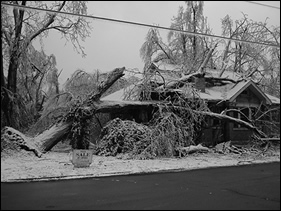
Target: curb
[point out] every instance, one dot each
(86, 176)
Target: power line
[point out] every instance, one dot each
(265, 5)
(138, 24)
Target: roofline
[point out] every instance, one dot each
(250, 82)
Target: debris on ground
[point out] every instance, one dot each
(251, 148)
(139, 141)
(183, 151)
(127, 139)
(120, 137)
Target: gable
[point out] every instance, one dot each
(248, 88)
(248, 96)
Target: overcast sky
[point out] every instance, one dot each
(114, 45)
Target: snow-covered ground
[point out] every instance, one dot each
(24, 166)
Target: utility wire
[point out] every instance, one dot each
(138, 24)
(265, 5)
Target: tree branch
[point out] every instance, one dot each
(111, 78)
(45, 27)
(60, 28)
(202, 66)
(231, 119)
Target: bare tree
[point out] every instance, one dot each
(189, 49)
(155, 47)
(250, 59)
(20, 27)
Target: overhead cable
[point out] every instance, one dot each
(265, 5)
(138, 24)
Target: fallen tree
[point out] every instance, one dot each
(73, 122)
(76, 120)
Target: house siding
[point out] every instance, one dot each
(95, 127)
(219, 98)
(221, 131)
(239, 136)
(247, 100)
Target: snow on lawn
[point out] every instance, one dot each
(24, 166)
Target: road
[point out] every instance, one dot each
(239, 187)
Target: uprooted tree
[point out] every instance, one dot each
(75, 122)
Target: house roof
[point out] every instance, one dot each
(226, 74)
(241, 86)
(115, 96)
(228, 92)
(120, 97)
(273, 99)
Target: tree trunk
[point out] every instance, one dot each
(49, 138)
(194, 37)
(10, 104)
(45, 141)
(223, 67)
(205, 62)
(3, 84)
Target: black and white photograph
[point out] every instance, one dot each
(140, 105)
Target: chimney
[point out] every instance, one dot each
(199, 83)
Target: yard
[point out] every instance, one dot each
(55, 165)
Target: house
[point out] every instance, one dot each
(231, 93)
(246, 97)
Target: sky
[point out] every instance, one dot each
(113, 45)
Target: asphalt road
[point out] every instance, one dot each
(226, 188)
